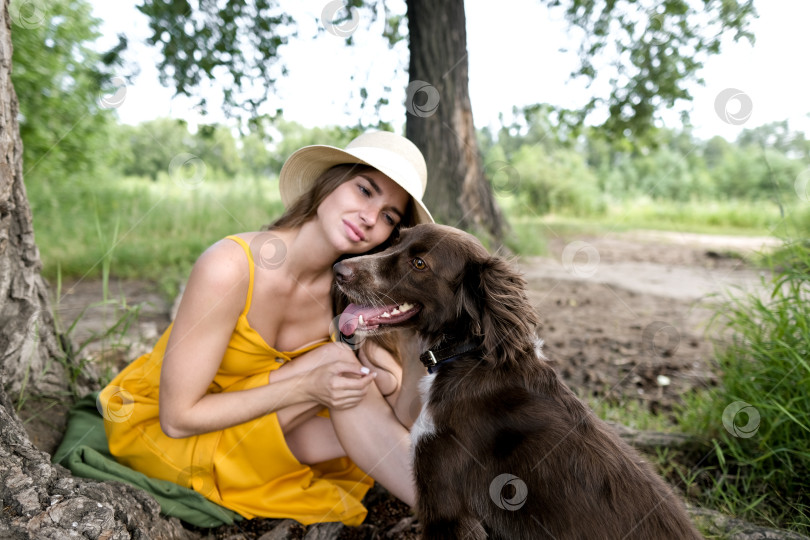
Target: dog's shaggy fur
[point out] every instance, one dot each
(502, 448)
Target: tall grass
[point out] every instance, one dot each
(718, 217)
(758, 418)
(529, 231)
(139, 228)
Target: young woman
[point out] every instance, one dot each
(245, 398)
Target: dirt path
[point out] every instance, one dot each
(625, 315)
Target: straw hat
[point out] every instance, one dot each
(393, 155)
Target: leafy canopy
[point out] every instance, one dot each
(653, 50)
(66, 89)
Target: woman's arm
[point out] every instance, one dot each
(214, 298)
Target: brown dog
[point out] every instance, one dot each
(502, 448)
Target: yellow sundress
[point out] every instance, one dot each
(247, 468)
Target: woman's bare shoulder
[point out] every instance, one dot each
(221, 271)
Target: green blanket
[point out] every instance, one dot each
(84, 451)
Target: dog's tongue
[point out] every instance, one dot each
(350, 318)
(370, 317)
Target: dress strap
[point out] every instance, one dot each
(249, 254)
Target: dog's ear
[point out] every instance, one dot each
(508, 320)
(469, 302)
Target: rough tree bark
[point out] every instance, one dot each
(40, 500)
(28, 342)
(440, 121)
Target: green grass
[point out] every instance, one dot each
(529, 232)
(758, 418)
(631, 413)
(155, 230)
(711, 217)
(138, 228)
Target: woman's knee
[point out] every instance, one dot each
(314, 441)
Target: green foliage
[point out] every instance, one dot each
(545, 170)
(776, 136)
(65, 89)
(532, 163)
(148, 148)
(290, 136)
(151, 148)
(759, 416)
(257, 160)
(216, 146)
(236, 42)
(556, 182)
(655, 53)
(750, 172)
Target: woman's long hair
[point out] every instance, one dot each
(306, 207)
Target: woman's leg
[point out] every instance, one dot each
(314, 441)
(369, 434)
(309, 437)
(373, 438)
(289, 418)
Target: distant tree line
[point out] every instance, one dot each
(552, 170)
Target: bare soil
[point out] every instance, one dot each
(624, 319)
(627, 316)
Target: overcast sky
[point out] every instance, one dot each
(514, 60)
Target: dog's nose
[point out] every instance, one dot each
(343, 272)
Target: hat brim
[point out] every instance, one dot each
(304, 166)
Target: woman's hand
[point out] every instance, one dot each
(331, 374)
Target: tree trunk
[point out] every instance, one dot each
(440, 122)
(28, 342)
(40, 500)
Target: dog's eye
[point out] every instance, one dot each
(418, 263)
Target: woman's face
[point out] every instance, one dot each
(362, 212)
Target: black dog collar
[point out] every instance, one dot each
(446, 353)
